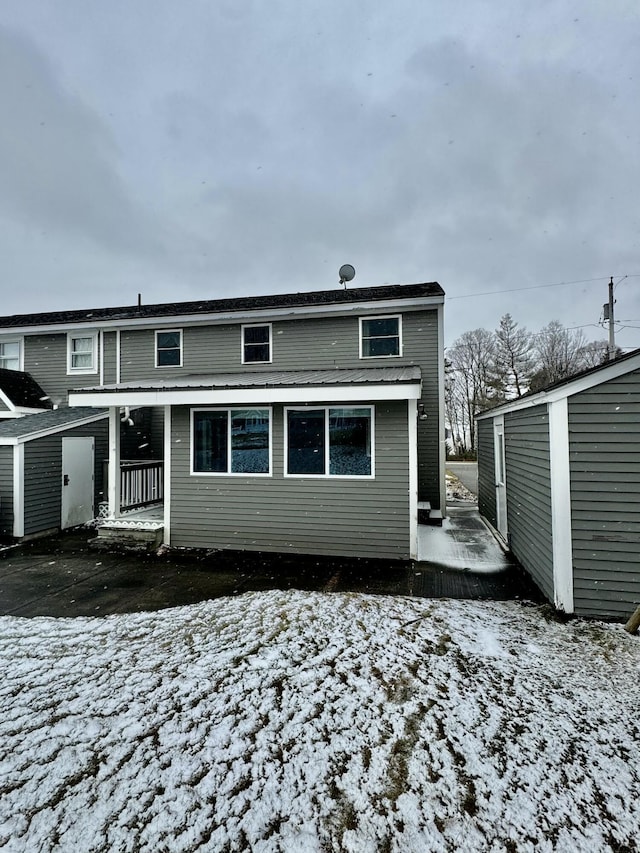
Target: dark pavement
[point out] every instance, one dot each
(60, 576)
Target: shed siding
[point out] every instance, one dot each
(43, 475)
(604, 445)
(317, 344)
(3, 406)
(359, 517)
(529, 493)
(6, 491)
(486, 471)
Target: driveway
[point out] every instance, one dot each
(61, 576)
(467, 473)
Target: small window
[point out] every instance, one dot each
(256, 344)
(330, 442)
(380, 337)
(169, 348)
(10, 355)
(231, 441)
(81, 353)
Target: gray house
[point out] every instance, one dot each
(304, 423)
(559, 479)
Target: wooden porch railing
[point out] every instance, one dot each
(141, 483)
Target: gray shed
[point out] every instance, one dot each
(559, 480)
(51, 470)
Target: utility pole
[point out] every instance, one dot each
(608, 315)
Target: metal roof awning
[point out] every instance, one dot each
(289, 386)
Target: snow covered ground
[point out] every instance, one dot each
(287, 721)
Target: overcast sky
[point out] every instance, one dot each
(216, 148)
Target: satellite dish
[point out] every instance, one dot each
(346, 273)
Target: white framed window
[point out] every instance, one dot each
(82, 352)
(329, 441)
(256, 343)
(231, 441)
(11, 355)
(381, 337)
(169, 348)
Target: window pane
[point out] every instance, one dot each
(380, 346)
(250, 441)
(306, 442)
(210, 441)
(169, 357)
(259, 352)
(256, 334)
(82, 345)
(168, 340)
(350, 442)
(81, 359)
(379, 327)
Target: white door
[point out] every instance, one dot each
(77, 481)
(501, 480)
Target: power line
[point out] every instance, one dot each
(538, 287)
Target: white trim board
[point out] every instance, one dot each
(247, 396)
(561, 529)
(571, 387)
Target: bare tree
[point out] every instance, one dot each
(514, 358)
(472, 385)
(559, 354)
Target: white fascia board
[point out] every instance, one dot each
(583, 383)
(6, 401)
(561, 529)
(247, 396)
(212, 319)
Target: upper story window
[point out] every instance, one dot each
(256, 344)
(330, 442)
(381, 337)
(82, 352)
(169, 348)
(11, 355)
(231, 441)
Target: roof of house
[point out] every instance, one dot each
(51, 421)
(581, 381)
(22, 390)
(240, 304)
(269, 379)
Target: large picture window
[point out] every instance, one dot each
(330, 442)
(380, 337)
(256, 344)
(82, 352)
(169, 348)
(231, 441)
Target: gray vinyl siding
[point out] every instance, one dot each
(43, 475)
(319, 343)
(486, 471)
(604, 448)
(3, 406)
(6, 491)
(528, 482)
(110, 367)
(357, 517)
(45, 358)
